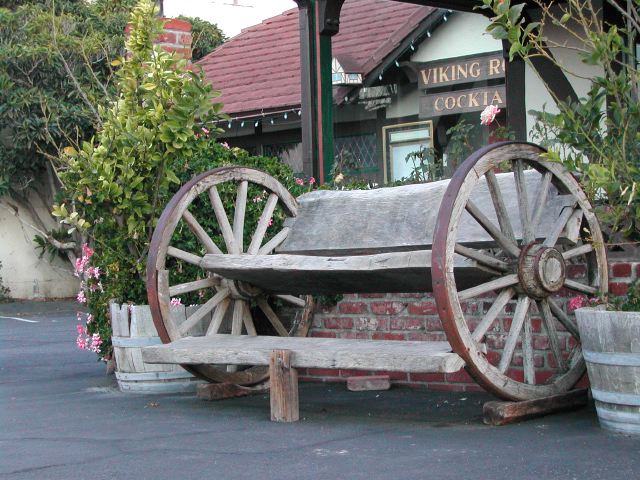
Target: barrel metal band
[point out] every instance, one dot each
(611, 358)
(632, 399)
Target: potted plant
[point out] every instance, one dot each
(597, 139)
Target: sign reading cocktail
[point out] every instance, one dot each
(458, 71)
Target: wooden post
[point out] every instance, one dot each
(284, 387)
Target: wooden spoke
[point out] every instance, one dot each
(184, 256)
(541, 201)
(272, 317)
(187, 287)
(527, 352)
(564, 217)
(218, 317)
(248, 322)
(199, 232)
(223, 221)
(482, 258)
(580, 287)
(523, 202)
(293, 300)
(275, 242)
(507, 244)
(519, 317)
(562, 317)
(238, 215)
(238, 316)
(203, 310)
(263, 224)
(575, 252)
(497, 306)
(499, 206)
(496, 284)
(552, 334)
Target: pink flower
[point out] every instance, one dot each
(89, 319)
(81, 329)
(312, 181)
(205, 130)
(175, 302)
(257, 199)
(577, 302)
(225, 145)
(81, 298)
(96, 341)
(87, 251)
(81, 264)
(488, 115)
(299, 181)
(270, 222)
(94, 272)
(81, 342)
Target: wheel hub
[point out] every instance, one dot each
(541, 270)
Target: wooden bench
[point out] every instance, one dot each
(505, 229)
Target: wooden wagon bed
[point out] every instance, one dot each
(507, 229)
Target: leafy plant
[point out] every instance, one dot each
(426, 165)
(598, 136)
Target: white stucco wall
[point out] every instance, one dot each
(26, 275)
(463, 34)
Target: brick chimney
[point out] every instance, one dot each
(176, 37)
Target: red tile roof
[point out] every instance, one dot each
(259, 69)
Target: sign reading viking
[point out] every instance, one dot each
(460, 101)
(458, 71)
(455, 71)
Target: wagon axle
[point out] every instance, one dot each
(541, 270)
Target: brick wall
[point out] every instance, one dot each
(176, 37)
(413, 317)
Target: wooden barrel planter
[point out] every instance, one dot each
(133, 329)
(611, 347)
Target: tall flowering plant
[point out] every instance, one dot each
(89, 337)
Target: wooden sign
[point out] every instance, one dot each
(459, 70)
(460, 101)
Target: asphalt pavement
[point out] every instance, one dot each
(62, 417)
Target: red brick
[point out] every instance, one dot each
(371, 295)
(353, 307)
(459, 377)
(495, 342)
(406, 323)
(493, 357)
(543, 376)
(367, 383)
(353, 373)
(338, 323)
(317, 334)
(516, 374)
(388, 336)
(175, 24)
(576, 271)
(166, 37)
(323, 372)
(186, 39)
(411, 295)
(540, 342)
(371, 323)
(387, 308)
(617, 288)
(426, 377)
(433, 324)
(395, 376)
(422, 308)
(184, 52)
(583, 382)
(638, 270)
(621, 270)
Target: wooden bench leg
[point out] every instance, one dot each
(284, 387)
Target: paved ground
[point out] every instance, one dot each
(61, 417)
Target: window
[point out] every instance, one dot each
(399, 142)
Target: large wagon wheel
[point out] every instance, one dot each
(234, 307)
(529, 276)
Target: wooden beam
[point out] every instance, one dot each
(501, 413)
(284, 387)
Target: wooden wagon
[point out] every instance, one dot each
(506, 228)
